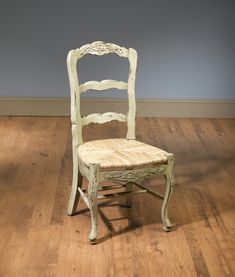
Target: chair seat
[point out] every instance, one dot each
(120, 153)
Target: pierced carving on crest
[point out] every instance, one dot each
(100, 48)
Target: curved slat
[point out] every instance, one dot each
(105, 84)
(102, 118)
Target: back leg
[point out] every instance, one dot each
(74, 195)
(77, 177)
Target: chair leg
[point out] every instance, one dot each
(74, 195)
(77, 177)
(169, 190)
(92, 196)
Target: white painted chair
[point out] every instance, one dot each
(126, 162)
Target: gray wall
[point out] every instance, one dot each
(186, 48)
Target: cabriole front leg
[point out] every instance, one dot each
(169, 190)
(94, 170)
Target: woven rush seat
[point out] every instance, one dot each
(120, 153)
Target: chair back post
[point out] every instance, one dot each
(76, 118)
(131, 94)
(100, 48)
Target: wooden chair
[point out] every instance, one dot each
(126, 162)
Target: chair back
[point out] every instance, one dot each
(100, 48)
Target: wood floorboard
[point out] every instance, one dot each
(37, 238)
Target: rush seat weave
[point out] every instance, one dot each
(120, 153)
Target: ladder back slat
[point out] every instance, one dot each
(103, 85)
(102, 118)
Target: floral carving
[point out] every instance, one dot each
(134, 175)
(100, 48)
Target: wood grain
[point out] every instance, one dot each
(37, 238)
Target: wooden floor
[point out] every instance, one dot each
(37, 238)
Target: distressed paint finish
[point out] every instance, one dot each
(101, 48)
(170, 183)
(103, 85)
(131, 94)
(136, 175)
(77, 176)
(102, 118)
(93, 172)
(128, 178)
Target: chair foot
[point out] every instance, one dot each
(167, 228)
(70, 213)
(92, 241)
(167, 225)
(94, 230)
(94, 227)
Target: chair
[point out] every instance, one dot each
(125, 161)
